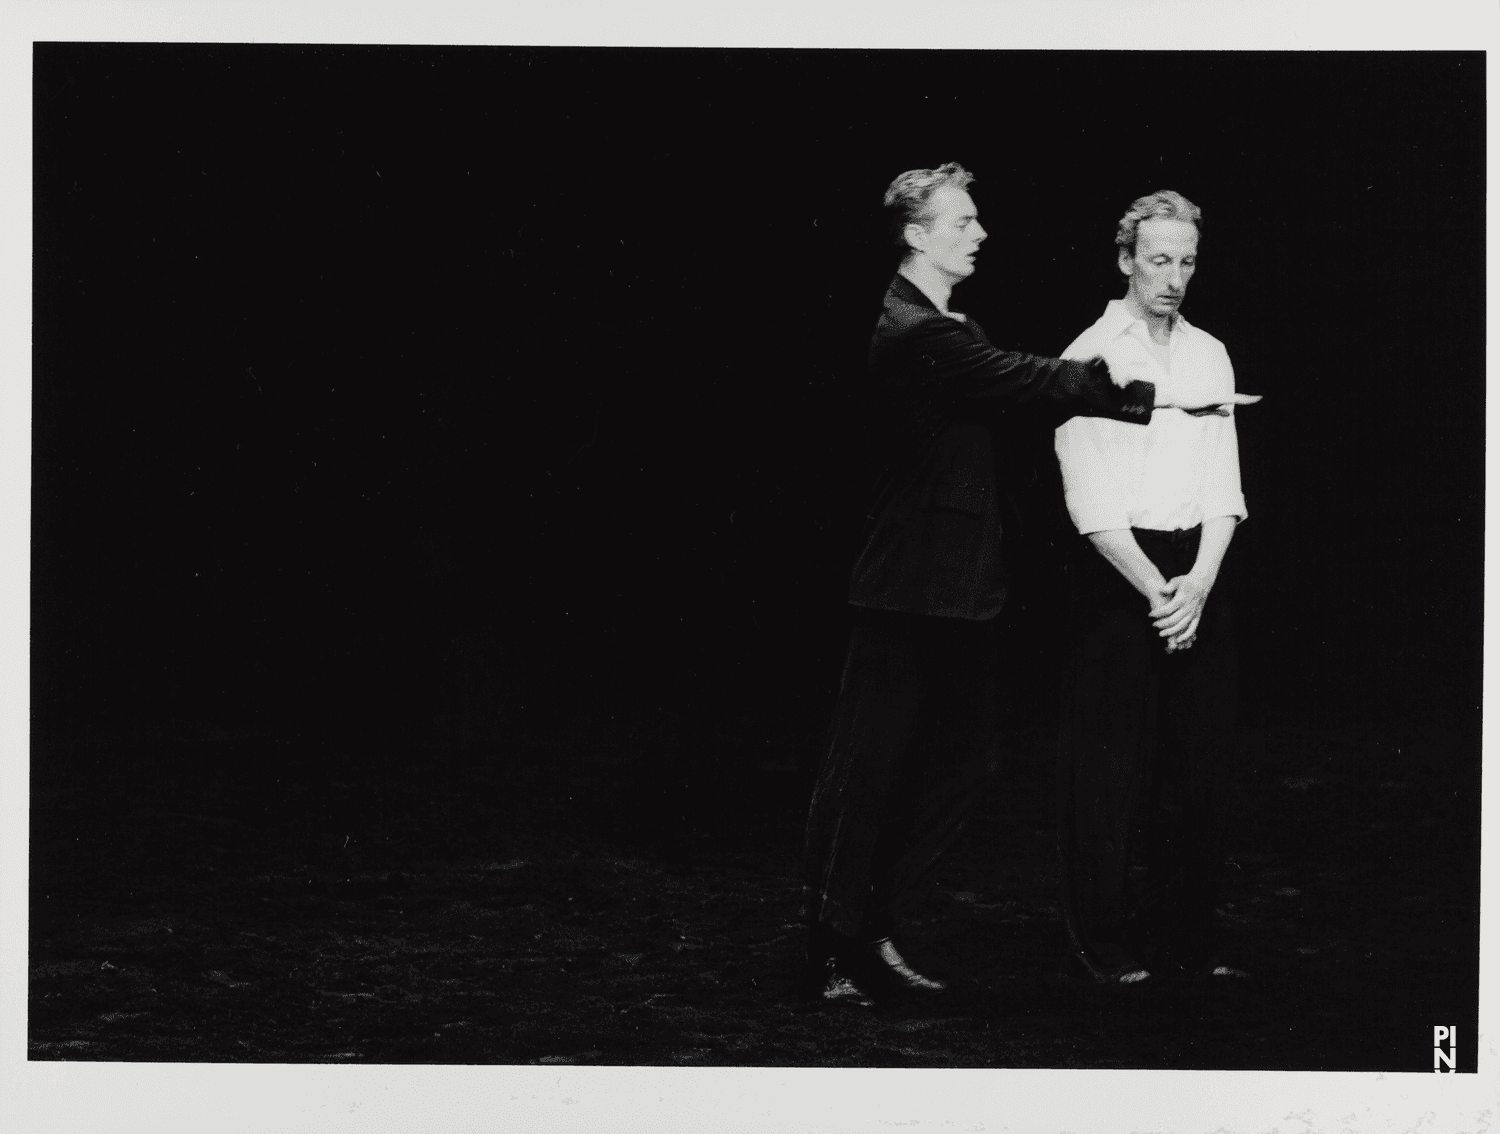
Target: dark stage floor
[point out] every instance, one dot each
(554, 906)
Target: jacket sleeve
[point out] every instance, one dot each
(945, 356)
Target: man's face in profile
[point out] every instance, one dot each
(952, 235)
(1166, 254)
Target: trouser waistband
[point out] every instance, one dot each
(1177, 537)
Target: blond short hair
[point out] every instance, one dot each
(906, 201)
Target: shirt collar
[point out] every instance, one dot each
(1118, 318)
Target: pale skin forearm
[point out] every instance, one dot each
(1212, 545)
(1126, 557)
(1176, 604)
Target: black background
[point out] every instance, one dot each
(393, 403)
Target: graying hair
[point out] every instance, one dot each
(1162, 203)
(906, 201)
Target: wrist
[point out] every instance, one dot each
(1151, 588)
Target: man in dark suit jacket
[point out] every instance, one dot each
(914, 732)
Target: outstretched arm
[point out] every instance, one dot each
(944, 354)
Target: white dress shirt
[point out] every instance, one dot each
(1172, 473)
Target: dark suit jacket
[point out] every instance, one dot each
(932, 537)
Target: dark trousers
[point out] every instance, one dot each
(1144, 738)
(912, 742)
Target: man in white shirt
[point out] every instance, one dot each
(1149, 695)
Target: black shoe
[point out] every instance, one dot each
(839, 989)
(882, 966)
(1127, 972)
(842, 970)
(1217, 971)
(826, 984)
(827, 953)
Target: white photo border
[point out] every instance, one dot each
(107, 1097)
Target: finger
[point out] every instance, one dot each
(1187, 635)
(1173, 628)
(1170, 611)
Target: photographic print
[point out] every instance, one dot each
(756, 558)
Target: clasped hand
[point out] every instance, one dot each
(1180, 609)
